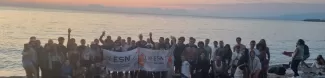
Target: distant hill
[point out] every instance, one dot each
(302, 16)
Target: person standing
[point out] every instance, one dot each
(180, 47)
(39, 50)
(252, 48)
(191, 54)
(241, 46)
(297, 57)
(215, 48)
(227, 57)
(108, 43)
(208, 48)
(57, 57)
(264, 57)
(306, 54)
(201, 49)
(29, 58)
(117, 48)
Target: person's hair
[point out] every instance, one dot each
(262, 45)
(207, 39)
(253, 41)
(238, 38)
(162, 38)
(167, 39)
(200, 43)
(128, 38)
(301, 42)
(181, 38)
(320, 60)
(140, 35)
(227, 46)
(60, 38)
(83, 40)
(221, 41)
(192, 38)
(33, 37)
(243, 59)
(215, 41)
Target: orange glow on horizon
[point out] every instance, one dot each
(123, 3)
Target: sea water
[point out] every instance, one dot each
(17, 25)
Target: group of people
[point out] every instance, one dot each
(190, 60)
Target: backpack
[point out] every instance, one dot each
(278, 70)
(306, 50)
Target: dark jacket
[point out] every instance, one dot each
(203, 65)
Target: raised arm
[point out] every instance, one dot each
(151, 41)
(69, 34)
(101, 37)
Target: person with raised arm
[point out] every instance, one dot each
(108, 44)
(71, 41)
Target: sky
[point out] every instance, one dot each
(219, 8)
(160, 3)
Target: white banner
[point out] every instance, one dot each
(121, 61)
(155, 60)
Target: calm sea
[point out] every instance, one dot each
(17, 25)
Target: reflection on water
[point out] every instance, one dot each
(17, 26)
